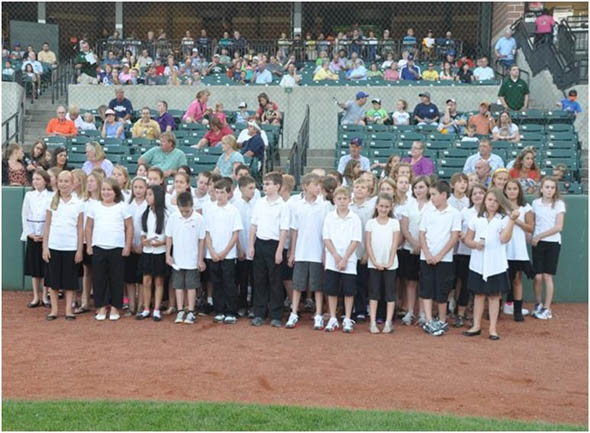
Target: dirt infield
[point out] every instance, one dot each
(537, 371)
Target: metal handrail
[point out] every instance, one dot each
(19, 126)
(60, 78)
(298, 153)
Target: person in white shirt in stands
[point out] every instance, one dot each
(307, 221)
(439, 231)
(262, 75)
(342, 234)
(109, 233)
(485, 153)
(483, 71)
(355, 153)
(223, 226)
(63, 243)
(268, 233)
(487, 236)
(290, 79)
(244, 202)
(248, 132)
(73, 114)
(185, 230)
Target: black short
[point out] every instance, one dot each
(436, 281)
(339, 284)
(546, 257)
(35, 266)
(382, 285)
(286, 271)
(132, 274)
(62, 270)
(153, 264)
(523, 266)
(409, 265)
(495, 285)
(461, 262)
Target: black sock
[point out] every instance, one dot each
(518, 306)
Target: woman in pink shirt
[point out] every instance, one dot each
(198, 109)
(391, 73)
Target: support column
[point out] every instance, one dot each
(41, 12)
(297, 7)
(485, 28)
(119, 18)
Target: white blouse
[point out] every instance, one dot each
(492, 259)
(516, 249)
(34, 211)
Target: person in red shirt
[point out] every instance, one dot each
(544, 28)
(525, 170)
(159, 67)
(213, 137)
(60, 126)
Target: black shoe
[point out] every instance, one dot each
(51, 317)
(70, 317)
(34, 304)
(257, 321)
(494, 337)
(471, 333)
(206, 310)
(518, 317)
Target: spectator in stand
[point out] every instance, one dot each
(229, 157)
(570, 104)
(351, 63)
(465, 59)
(112, 127)
(36, 65)
(337, 64)
(198, 112)
(421, 165)
(451, 57)
(166, 156)
(409, 41)
(121, 105)
(165, 119)
(95, 158)
(262, 75)
(86, 62)
(60, 126)
(111, 59)
(526, 171)
(452, 122)
(430, 74)
(483, 121)
(483, 71)
(290, 79)
(170, 66)
(215, 67)
(59, 158)
(225, 60)
(426, 113)
(514, 92)
(505, 129)
(213, 137)
(447, 72)
(239, 43)
(248, 132)
(354, 112)
(17, 52)
(324, 73)
(254, 146)
(483, 172)
(46, 55)
(447, 43)
(410, 71)
(125, 74)
(144, 59)
(146, 127)
(505, 49)
(160, 68)
(428, 46)
(37, 158)
(264, 109)
(87, 123)
(354, 153)
(391, 73)
(73, 114)
(275, 68)
(8, 69)
(377, 114)
(401, 115)
(484, 154)
(544, 28)
(149, 77)
(358, 72)
(14, 172)
(465, 75)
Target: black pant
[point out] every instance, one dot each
(361, 297)
(225, 292)
(244, 277)
(267, 280)
(108, 276)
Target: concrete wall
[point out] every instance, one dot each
(323, 111)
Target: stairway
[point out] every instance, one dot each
(319, 158)
(37, 115)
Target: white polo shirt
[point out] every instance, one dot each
(342, 231)
(34, 211)
(245, 208)
(467, 214)
(307, 219)
(200, 202)
(108, 231)
(185, 234)
(382, 240)
(516, 248)
(414, 213)
(458, 203)
(365, 213)
(439, 225)
(545, 218)
(137, 210)
(270, 218)
(63, 233)
(151, 234)
(293, 201)
(221, 223)
(492, 259)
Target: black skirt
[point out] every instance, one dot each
(523, 266)
(34, 264)
(153, 264)
(132, 273)
(496, 284)
(62, 270)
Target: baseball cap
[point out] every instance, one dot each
(376, 100)
(242, 105)
(410, 57)
(426, 94)
(215, 55)
(357, 140)
(451, 100)
(195, 50)
(254, 125)
(452, 52)
(109, 111)
(361, 95)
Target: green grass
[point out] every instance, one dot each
(141, 415)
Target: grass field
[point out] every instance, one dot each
(140, 415)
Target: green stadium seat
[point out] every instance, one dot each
(384, 153)
(187, 141)
(532, 127)
(426, 129)
(411, 136)
(131, 167)
(77, 148)
(378, 128)
(203, 158)
(522, 144)
(192, 126)
(56, 141)
(384, 135)
(571, 163)
(198, 167)
(139, 141)
(571, 187)
(89, 133)
(559, 127)
(381, 144)
(348, 135)
(445, 173)
(559, 153)
(130, 158)
(560, 144)
(502, 145)
(218, 150)
(453, 152)
(76, 158)
(111, 141)
(457, 163)
(559, 116)
(439, 145)
(404, 128)
(566, 136)
(177, 114)
(470, 145)
(532, 136)
(116, 150)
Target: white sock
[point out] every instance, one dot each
(210, 300)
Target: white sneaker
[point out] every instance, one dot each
(332, 325)
(114, 317)
(292, 322)
(508, 308)
(373, 328)
(452, 305)
(318, 322)
(219, 318)
(537, 309)
(348, 326)
(190, 318)
(408, 318)
(525, 312)
(388, 328)
(100, 317)
(421, 319)
(179, 317)
(230, 320)
(545, 314)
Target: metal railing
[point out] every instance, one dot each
(60, 78)
(18, 132)
(298, 153)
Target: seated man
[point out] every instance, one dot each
(324, 72)
(354, 113)
(426, 113)
(146, 127)
(483, 172)
(483, 71)
(430, 74)
(484, 154)
(60, 126)
(410, 71)
(261, 74)
(121, 105)
(165, 156)
(355, 153)
(358, 72)
(483, 121)
(452, 121)
(254, 146)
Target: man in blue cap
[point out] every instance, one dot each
(354, 112)
(411, 71)
(356, 145)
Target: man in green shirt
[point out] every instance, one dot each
(167, 156)
(377, 114)
(514, 92)
(86, 62)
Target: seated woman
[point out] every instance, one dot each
(268, 112)
(14, 172)
(526, 171)
(213, 137)
(111, 128)
(59, 158)
(391, 73)
(447, 72)
(95, 158)
(505, 129)
(198, 109)
(36, 159)
(465, 74)
(229, 157)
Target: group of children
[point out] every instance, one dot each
(402, 240)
